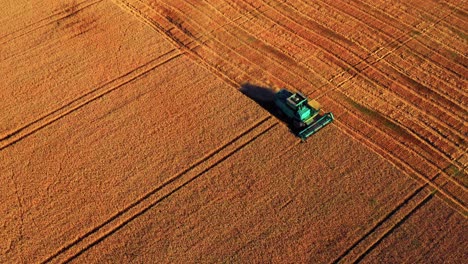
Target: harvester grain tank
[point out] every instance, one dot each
(302, 113)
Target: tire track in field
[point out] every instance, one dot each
(446, 97)
(239, 36)
(414, 10)
(69, 12)
(460, 65)
(386, 226)
(396, 79)
(47, 21)
(89, 245)
(438, 60)
(416, 6)
(452, 40)
(160, 193)
(85, 99)
(175, 35)
(399, 91)
(432, 147)
(181, 11)
(406, 147)
(421, 176)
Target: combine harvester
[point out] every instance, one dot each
(303, 114)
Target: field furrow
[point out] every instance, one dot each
(427, 233)
(329, 46)
(149, 131)
(372, 24)
(101, 128)
(382, 228)
(444, 33)
(160, 193)
(388, 37)
(433, 44)
(406, 159)
(61, 74)
(217, 224)
(430, 10)
(85, 99)
(246, 71)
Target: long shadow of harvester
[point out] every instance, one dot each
(265, 97)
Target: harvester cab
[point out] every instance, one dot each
(302, 113)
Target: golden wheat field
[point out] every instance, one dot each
(133, 131)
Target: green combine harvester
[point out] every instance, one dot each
(303, 114)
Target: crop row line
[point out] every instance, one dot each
(398, 92)
(410, 26)
(85, 99)
(158, 194)
(102, 238)
(414, 10)
(385, 225)
(272, 50)
(238, 54)
(47, 21)
(405, 145)
(45, 44)
(219, 43)
(406, 166)
(363, 23)
(447, 65)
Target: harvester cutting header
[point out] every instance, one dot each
(303, 114)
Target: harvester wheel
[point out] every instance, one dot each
(298, 124)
